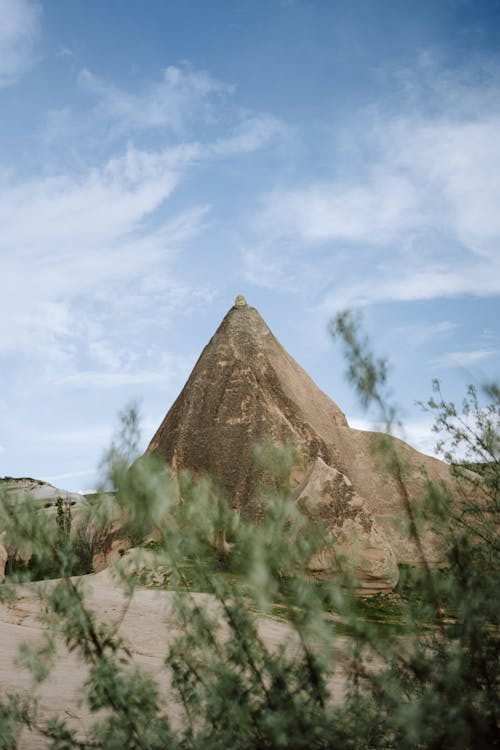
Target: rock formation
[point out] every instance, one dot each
(44, 497)
(245, 388)
(350, 532)
(43, 494)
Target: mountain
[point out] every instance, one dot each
(246, 388)
(41, 493)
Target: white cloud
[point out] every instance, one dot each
(455, 165)
(100, 435)
(422, 334)
(375, 212)
(406, 281)
(186, 105)
(98, 237)
(183, 95)
(97, 207)
(279, 267)
(417, 432)
(253, 132)
(464, 359)
(69, 475)
(19, 29)
(66, 237)
(109, 379)
(411, 211)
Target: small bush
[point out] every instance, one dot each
(436, 686)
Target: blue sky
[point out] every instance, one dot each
(159, 157)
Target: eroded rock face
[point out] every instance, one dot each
(351, 534)
(44, 497)
(244, 388)
(110, 550)
(42, 493)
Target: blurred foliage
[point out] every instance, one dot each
(420, 667)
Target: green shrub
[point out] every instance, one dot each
(435, 686)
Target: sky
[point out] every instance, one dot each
(159, 157)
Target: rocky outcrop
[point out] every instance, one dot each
(112, 548)
(44, 497)
(351, 536)
(43, 494)
(246, 388)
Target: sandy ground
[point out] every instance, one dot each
(143, 625)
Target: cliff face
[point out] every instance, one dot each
(244, 388)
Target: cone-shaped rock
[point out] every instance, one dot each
(244, 388)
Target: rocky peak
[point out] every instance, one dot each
(244, 388)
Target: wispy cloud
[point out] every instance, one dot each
(374, 212)
(186, 106)
(182, 95)
(19, 29)
(85, 235)
(109, 379)
(425, 333)
(69, 475)
(464, 359)
(56, 478)
(251, 133)
(416, 432)
(406, 281)
(100, 435)
(411, 211)
(99, 239)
